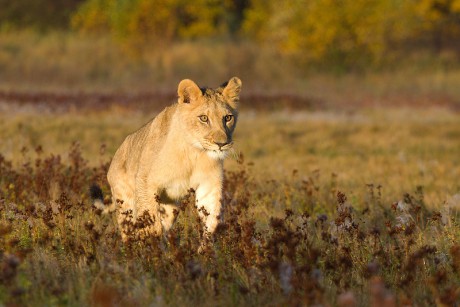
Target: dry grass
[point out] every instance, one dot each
(70, 63)
(332, 205)
(328, 208)
(320, 235)
(398, 149)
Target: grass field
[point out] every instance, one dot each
(63, 62)
(347, 207)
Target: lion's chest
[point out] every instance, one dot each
(177, 189)
(185, 173)
(177, 184)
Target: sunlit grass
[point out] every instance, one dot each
(69, 62)
(325, 207)
(397, 149)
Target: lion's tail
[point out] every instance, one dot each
(97, 197)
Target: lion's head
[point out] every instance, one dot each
(209, 116)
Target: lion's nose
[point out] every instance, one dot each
(221, 144)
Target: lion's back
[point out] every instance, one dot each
(142, 145)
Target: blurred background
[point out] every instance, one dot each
(321, 53)
(343, 189)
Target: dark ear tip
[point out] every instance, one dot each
(233, 81)
(236, 80)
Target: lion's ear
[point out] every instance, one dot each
(188, 91)
(232, 91)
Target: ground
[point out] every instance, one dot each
(331, 206)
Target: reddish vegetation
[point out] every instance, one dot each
(56, 247)
(61, 102)
(153, 101)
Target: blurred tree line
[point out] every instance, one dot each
(38, 14)
(160, 22)
(323, 31)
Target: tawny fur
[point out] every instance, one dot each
(182, 148)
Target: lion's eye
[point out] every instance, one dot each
(228, 118)
(203, 118)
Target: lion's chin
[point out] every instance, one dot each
(217, 154)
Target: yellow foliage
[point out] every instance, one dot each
(317, 29)
(147, 21)
(344, 31)
(203, 15)
(440, 18)
(436, 10)
(92, 16)
(158, 22)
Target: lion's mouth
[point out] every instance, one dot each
(218, 152)
(226, 147)
(216, 148)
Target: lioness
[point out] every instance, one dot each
(180, 149)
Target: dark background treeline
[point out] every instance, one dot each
(341, 33)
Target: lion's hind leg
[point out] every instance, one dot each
(148, 222)
(123, 201)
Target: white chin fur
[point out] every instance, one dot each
(218, 155)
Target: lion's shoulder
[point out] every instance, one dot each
(157, 129)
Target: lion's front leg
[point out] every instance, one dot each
(209, 205)
(168, 215)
